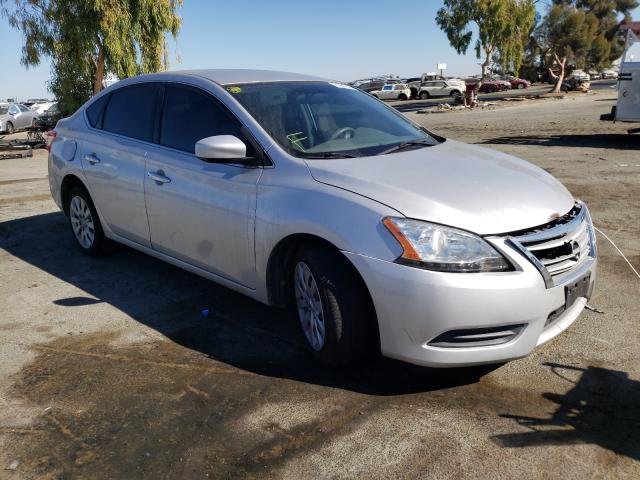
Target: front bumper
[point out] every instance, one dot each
(415, 306)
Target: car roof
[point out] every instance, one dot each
(235, 76)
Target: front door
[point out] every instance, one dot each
(113, 158)
(199, 212)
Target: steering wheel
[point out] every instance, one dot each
(343, 132)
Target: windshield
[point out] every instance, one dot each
(322, 119)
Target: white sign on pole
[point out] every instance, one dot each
(442, 66)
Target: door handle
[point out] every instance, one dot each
(159, 177)
(92, 159)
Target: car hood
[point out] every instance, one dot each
(452, 183)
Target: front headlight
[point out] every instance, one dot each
(444, 249)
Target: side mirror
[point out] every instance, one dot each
(222, 149)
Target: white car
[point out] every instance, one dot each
(398, 91)
(41, 107)
(610, 74)
(581, 75)
(442, 88)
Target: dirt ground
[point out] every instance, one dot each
(108, 369)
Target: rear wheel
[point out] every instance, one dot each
(456, 93)
(85, 223)
(332, 305)
(492, 89)
(424, 95)
(10, 128)
(402, 96)
(520, 86)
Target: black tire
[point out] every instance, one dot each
(10, 128)
(520, 86)
(346, 305)
(100, 245)
(456, 93)
(402, 96)
(424, 95)
(492, 89)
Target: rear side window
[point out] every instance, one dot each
(189, 116)
(95, 111)
(3, 110)
(131, 112)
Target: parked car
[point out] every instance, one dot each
(17, 117)
(371, 86)
(487, 86)
(398, 91)
(441, 88)
(503, 83)
(610, 74)
(49, 118)
(580, 75)
(518, 83)
(305, 193)
(594, 75)
(415, 84)
(41, 107)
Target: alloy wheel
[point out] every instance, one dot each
(309, 306)
(82, 222)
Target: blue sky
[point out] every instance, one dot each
(344, 40)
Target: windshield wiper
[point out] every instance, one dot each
(404, 145)
(331, 155)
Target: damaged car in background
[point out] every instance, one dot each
(311, 195)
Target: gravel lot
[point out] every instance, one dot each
(108, 369)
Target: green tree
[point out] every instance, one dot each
(503, 26)
(610, 14)
(85, 39)
(571, 36)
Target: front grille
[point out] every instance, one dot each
(560, 246)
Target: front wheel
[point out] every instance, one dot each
(10, 128)
(520, 86)
(424, 95)
(85, 223)
(456, 93)
(402, 96)
(332, 305)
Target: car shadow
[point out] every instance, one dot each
(617, 141)
(202, 316)
(602, 408)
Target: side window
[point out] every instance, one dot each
(131, 112)
(95, 111)
(13, 109)
(23, 108)
(189, 116)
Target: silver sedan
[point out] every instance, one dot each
(308, 194)
(15, 116)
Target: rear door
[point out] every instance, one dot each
(114, 155)
(199, 212)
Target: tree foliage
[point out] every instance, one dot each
(609, 15)
(85, 39)
(503, 26)
(582, 33)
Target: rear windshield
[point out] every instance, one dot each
(312, 119)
